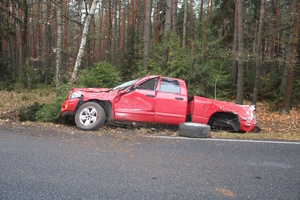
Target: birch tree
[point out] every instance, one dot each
(85, 33)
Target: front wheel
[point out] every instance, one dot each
(90, 116)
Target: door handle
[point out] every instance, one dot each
(179, 98)
(150, 95)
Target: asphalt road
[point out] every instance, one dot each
(55, 163)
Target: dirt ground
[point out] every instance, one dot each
(274, 125)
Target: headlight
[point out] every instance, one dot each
(75, 95)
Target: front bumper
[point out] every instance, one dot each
(69, 107)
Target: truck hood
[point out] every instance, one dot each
(92, 89)
(96, 93)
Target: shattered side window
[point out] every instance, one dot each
(169, 85)
(148, 85)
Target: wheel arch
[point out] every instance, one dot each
(106, 105)
(225, 120)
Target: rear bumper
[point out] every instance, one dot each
(248, 125)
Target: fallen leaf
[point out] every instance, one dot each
(226, 193)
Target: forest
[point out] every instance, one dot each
(238, 50)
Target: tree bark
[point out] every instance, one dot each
(101, 19)
(191, 25)
(25, 64)
(235, 39)
(259, 59)
(147, 31)
(65, 36)
(59, 43)
(240, 73)
(47, 53)
(115, 27)
(167, 29)
(184, 23)
(200, 18)
(83, 40)
(174, 17)
(109, 31)
(294, 40)
(119, 46)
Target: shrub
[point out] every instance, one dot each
(28, 113)
(51, 112)
(102, 75)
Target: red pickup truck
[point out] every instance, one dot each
(153, 99)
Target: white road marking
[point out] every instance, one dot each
(226, 140)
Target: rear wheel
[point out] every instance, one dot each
(90, 116)
(194, 130)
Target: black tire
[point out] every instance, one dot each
(194, 130)
(90, 116)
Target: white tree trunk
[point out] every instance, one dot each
(83, 40)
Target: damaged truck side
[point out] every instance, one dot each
(153, 99)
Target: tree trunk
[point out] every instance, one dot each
(258, 60)
(66, 50)
(277, 7)
(79, 22)
(174, 17)
(240, 74)
(47, 48)
(207, 27)
(25, 64)
(12, 43)
(101, 19)
(200, 18)
(119, 46)
(19, 44)
(294, 40)
(191, 25)
(83, 40)
(109, 31)
(167, 28)
(235, 40)
(115, 27)
(59, 43)
(147, 31)
(184, 23)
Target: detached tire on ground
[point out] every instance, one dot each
(194, 130)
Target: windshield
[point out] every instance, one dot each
(125, 85)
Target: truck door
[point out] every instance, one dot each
(139, 104)
(171, 102)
